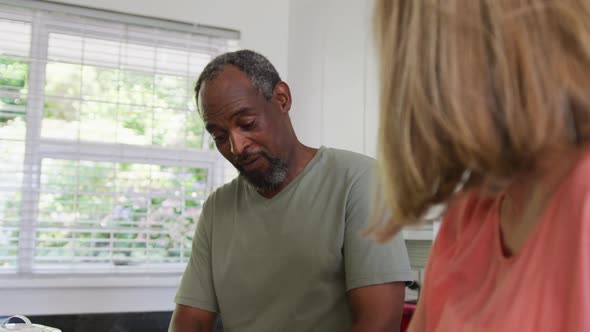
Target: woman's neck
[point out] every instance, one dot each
(528, 195)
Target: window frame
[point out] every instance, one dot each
(38, 148)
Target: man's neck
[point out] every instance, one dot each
(300, 156)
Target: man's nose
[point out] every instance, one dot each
(238, 144)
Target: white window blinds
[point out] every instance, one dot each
(105, 164)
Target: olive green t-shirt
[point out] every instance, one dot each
(285, 264)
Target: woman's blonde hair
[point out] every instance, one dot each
(479, 87)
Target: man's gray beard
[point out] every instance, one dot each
(269, 180)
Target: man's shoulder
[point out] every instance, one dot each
(349, 162)
(222, 194)
(349, 159)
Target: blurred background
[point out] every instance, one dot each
(104, 164)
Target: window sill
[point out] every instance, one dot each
(94, 281)
(59, 294)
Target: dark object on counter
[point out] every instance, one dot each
(409, 309)
(110, 322)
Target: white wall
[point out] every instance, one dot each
(334, 81)
(264, 27)
(332, 73)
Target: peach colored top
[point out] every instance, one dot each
(471, 286)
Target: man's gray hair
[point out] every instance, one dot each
(261, 72)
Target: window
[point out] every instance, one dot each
(105, 164)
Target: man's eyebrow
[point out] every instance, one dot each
(210, 127)
(239, 112)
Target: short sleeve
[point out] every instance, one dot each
(196, 287)
(368, 262)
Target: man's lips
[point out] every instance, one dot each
(249, 162)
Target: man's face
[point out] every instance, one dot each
(248, 129)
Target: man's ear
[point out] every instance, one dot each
(282, 96)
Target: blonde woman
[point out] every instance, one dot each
(485, 108)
